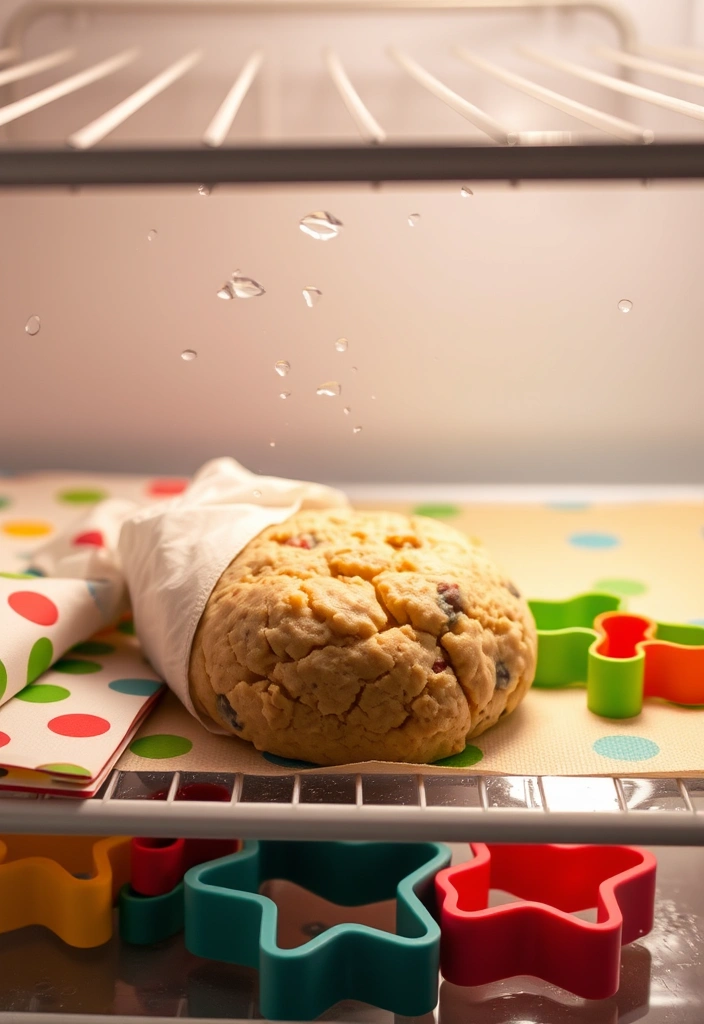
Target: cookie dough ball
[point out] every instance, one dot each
(343, 636)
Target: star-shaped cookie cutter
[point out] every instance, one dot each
(66, 883)
(227, 919)
(539, 935)
(621, 657)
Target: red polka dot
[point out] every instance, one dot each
(92, 538)
(166, 488)
(35, 607)
(79, 725)
(4, 739)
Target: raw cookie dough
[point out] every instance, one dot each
(343, 636)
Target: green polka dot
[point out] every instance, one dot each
(163, 745)
(77, 667)
(93, 647)
(469, 756)
(43, 693)
(17, 575)
(437, 511)
(625, 587)
(3, 679)
(65, 769)
(40, 658)
(81, 496)
(126, 627)
(4, 502)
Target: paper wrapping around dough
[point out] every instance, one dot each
(170, 554)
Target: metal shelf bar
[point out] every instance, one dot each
(590, 115)
(638, 92)
(685, 54)
(8, 54)
(102, 126)
(34, 67)
(656, 67)
(54, 92)
(367, 125)
(477, 117)
(603, 815)
(218, 129)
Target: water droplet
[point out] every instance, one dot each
(347, 410)
(226, 292)
(240, 287)
(341, 344)
(257, 494)
(320, 225)
(330, 389)
(282, 367)
(625, 305)
(413, 220)
(272, 444)
(33, 325)
(373, 398)
(354, 369)
(204, 190)
(311, 296)
(151, 235)
(312, 928)
(285, 394)
(466, 192)
(188, 355)
(356, 430)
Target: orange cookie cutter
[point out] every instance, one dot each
(621, 657)
(66, 883)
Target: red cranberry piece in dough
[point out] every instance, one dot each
(439, 666)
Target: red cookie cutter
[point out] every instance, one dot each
(540, 936)
(158, 865)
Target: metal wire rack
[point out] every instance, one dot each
(449, 807)
(546, 131)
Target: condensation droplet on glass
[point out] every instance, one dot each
(312, 928)
(240, 287)
(341, 344)
(204, 190)
(151, 235)
(354, 369)
(257, 494)
(320, 225)
(311, 296)
(188, 355)
(356, 430)
(282, 367)
(330, 389)
(284, 394)
(466, 192)
(625, 305)
(347, 410)
(272, 444)
(33, 325)
(413, 220)
(373, 398)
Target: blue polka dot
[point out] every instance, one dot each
(626, 748)
(594, 540)
(569, 506)
(288, 762)
(34, 572)
(135, 687)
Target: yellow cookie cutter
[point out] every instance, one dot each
(66, 883)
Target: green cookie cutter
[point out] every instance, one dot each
(227, 919)
(145, 920)
(621, 657)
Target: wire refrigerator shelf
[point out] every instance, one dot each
(113, 107)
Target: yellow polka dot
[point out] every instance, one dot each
(26, 528)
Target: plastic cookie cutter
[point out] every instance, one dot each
(227, 919)
(151, 906)
(158, 865)
(539, 935)
(66, 883)
(621, 657)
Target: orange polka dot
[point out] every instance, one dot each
(26, 528)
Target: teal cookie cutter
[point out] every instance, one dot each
(622, 658)
(145, 920)
(227, 919)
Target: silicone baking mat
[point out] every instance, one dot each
(652, 555)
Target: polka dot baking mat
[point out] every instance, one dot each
(650, 555)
